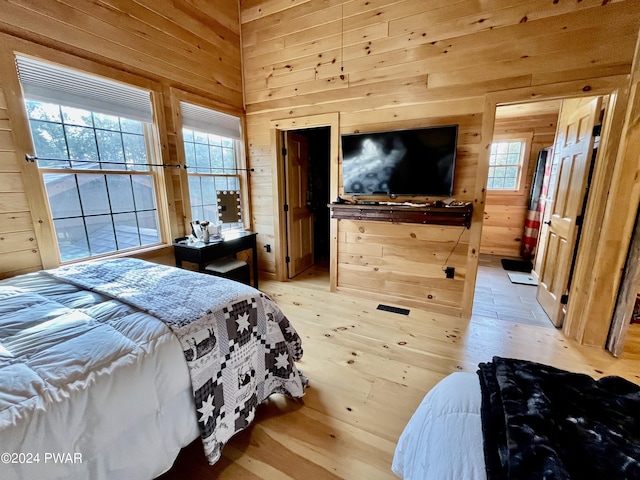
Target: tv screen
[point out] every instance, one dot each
(419, 161)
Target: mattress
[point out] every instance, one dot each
(443, 440)
(90, 387)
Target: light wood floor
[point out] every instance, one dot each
(368, 371)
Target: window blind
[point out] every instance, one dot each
(48, 82)
(210, 121)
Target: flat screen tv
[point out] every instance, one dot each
(417, 162)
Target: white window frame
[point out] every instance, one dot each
(526, 138)
(36, 88)
(214, 121)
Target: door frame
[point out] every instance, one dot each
(277, 127)
(605, 184)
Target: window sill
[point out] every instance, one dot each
(501, 193)
(145, 253)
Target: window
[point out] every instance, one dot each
(95, 164)
(506, 163)
(212, 156)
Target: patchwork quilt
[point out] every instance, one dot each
(541, 422)
(239, 346)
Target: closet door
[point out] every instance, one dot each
(299, 217)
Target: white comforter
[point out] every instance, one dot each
(239, 346)
(443, 439)
(98, 370)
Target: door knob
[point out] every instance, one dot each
(548, 222)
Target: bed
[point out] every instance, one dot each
(109, 368)
(517, 419)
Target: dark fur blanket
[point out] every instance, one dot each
(540, 422)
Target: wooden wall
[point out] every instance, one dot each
(378, 64)
(190, 44)
(404, 263)
(187, 46)
(18, 246)
(504, 213)
(399, 64)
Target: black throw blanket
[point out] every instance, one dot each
(540, 422)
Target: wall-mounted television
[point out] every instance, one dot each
(418, 162)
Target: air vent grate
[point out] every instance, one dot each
(389, 308)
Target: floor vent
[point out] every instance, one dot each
(389, 308)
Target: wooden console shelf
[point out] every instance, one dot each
(455, 215)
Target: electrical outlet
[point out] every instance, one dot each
(449, 272)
